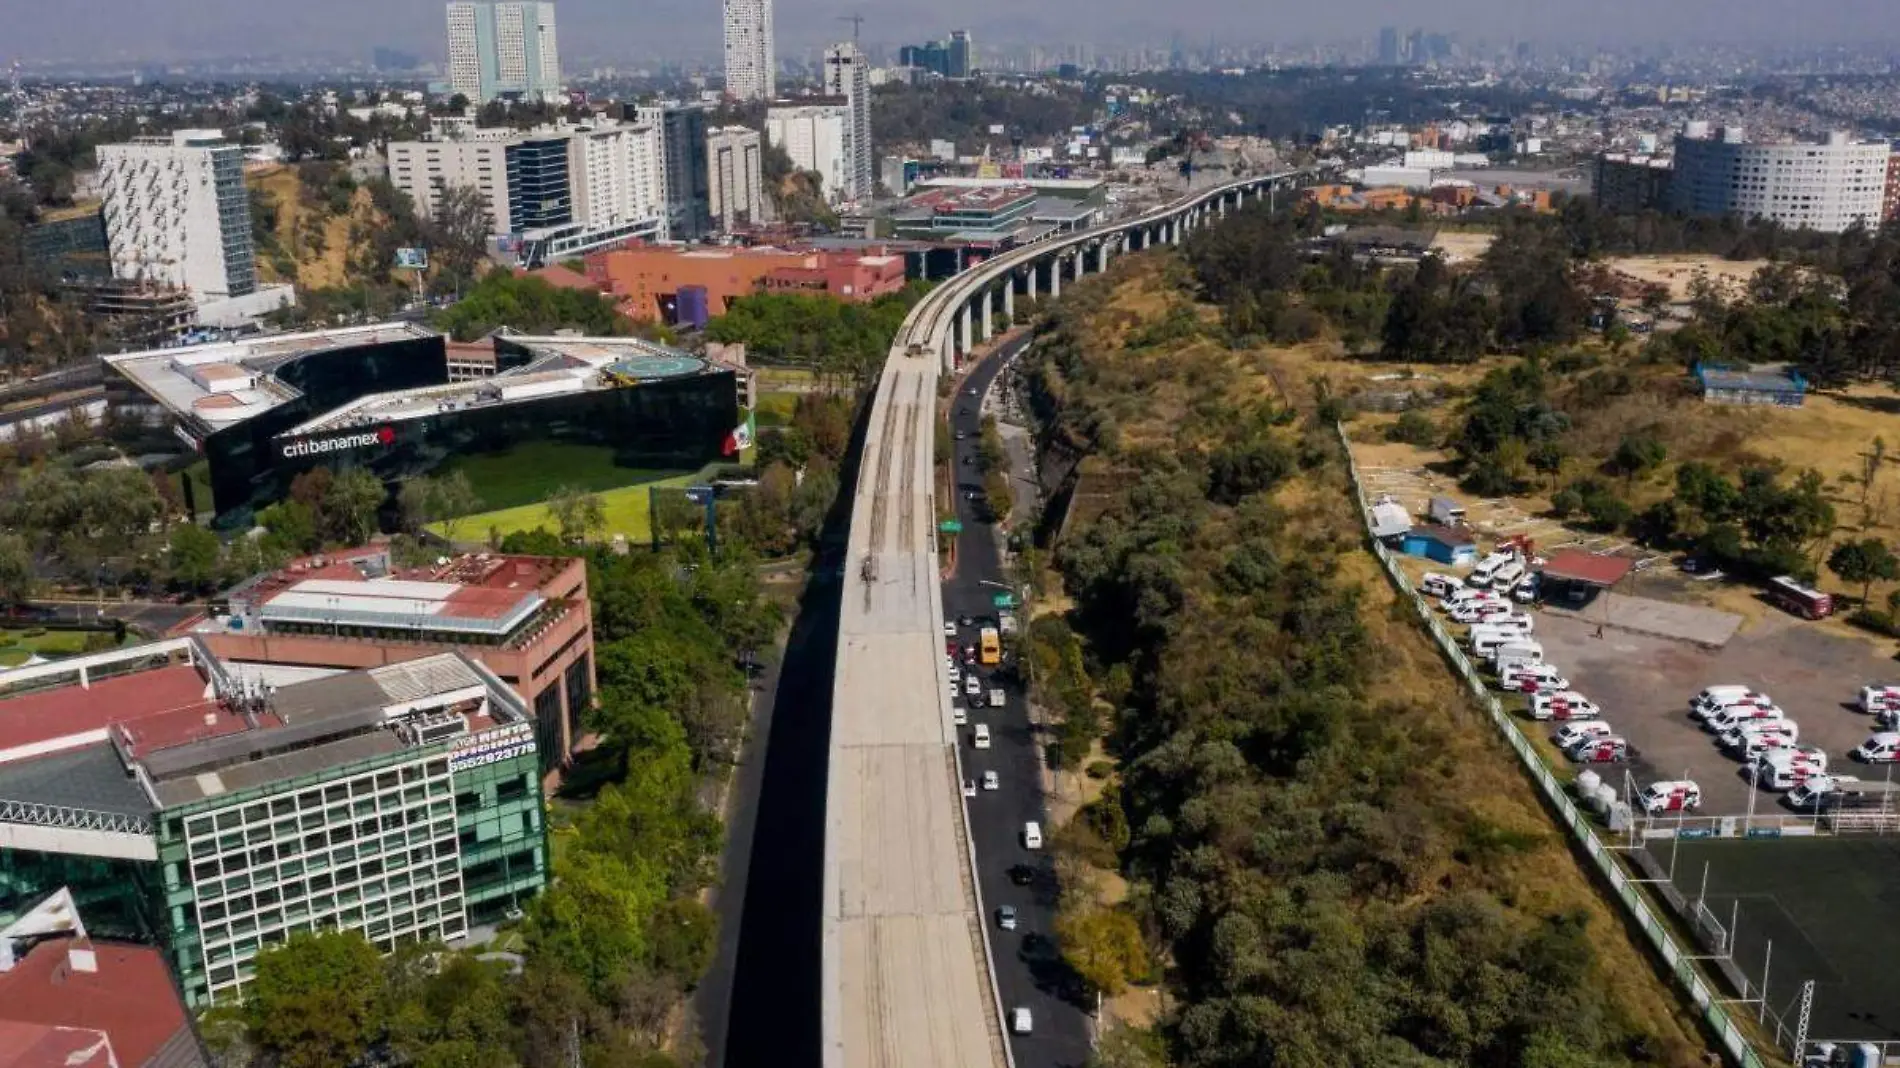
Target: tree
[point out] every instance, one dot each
(1547, 458)
(192, 557)
(593, 919)
(290, 528)
(449, 1010)
(348, 516)
(318, 1000)
(1103, 945)
(424, 500)
(578, 513)
(1637, 453)
(458, 234)
(1864, 561)
(17, 575)
(1870, 462)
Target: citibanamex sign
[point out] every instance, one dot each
(320, 446)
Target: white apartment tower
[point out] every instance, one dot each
(503, 49)
(618, 178)
(1828, 186)
(749, 55)
(734, 157)
(177, 213)
(817, 138)
(847, 74)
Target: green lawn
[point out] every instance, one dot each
(626, 509)
(528, 474)
(16, 647)
(775, 409)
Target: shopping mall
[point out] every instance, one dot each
(262, 411)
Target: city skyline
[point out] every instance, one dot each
(104, 31)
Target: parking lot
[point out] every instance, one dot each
(1644, 684)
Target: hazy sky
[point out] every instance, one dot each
(120, 29)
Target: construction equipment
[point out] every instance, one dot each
(857, 23)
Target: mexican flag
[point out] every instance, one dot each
(742, 435)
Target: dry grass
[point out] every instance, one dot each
(320, 270)
(1457, 246)
(1676, 272)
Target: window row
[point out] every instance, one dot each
(256, 812)
(222, 941)
(316, 841)
(339, 861)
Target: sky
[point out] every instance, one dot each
(117, 30)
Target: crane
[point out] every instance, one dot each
(857, 23)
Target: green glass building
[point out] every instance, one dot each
(201, 806)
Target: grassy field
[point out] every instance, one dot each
(528, 474)
(1822, 902)
(775, 409)
(16, 647)
(626, 509)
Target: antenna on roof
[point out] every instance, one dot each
(857, 23)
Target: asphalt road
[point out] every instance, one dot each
(1028, 972)
(152, 617)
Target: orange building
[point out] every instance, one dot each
(647, 281)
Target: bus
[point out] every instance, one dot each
(1798, 599)
(991, 650)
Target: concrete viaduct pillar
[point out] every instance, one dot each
(1009, 297)
(1055, 277)
(985, 312)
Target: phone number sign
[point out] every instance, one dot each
(491, 747)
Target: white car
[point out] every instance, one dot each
(956, 674)
(972, 686)
(969, 787)
(1525, 592)
(1020, 1020)
(960, 717)
(1563, 705)
(949, 628)
(990, 781)
(1479, 611)
(1882, 748)
(1579, 730)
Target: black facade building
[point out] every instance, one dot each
(379, 398)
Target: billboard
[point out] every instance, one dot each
(491, 746)
(415, 259)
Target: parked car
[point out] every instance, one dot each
(1610, 750)
(1735, 715)
(1006, 917)
(959, 716)
(1532, 679)
(1785, 769)
(1525, 592)
(1716, 698)
(969, 787)
(1563, 705)
(949, 629)
(1878, 699)
(1882, 748)
(1434, 584)
(1758, 735)
(1678, 795)
(1571, 733)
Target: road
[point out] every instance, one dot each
(1027, 970)
(152, 617)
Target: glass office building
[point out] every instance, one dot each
(403, 802)
(263, 412)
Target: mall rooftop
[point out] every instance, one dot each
(227, 382)
(556, 365)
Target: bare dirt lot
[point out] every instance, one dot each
(1644, 685)
(1675, 272)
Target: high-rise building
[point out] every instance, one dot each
(1828, 186)
(1890, 204)
(962, 54)
(176, 212)
(734, 157)
(816, 136)
(216, 807)
(563, 189)
(1388, 46)
(750, 73)
(848, 74)
(503, 50)
(682, 130)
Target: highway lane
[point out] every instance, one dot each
(1028, 971)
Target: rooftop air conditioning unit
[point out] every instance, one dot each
(435, 730)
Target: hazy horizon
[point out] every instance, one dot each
(123, 30)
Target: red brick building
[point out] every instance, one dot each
(647, 281)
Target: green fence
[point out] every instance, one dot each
(1680, 962)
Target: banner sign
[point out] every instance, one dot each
(416, 259)
(491, 746)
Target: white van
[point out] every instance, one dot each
(982, 738)
(1032, 835)
(1487, 570)
(1466, 595)
(1711, 709)
(1523, 650)
(1735, 715)
(1713, 696)
(1485, 640)
(1877, 699)
(1508, 576)
(1577, 730)
(1785, 769)
(1882, 748)
(1434, 584)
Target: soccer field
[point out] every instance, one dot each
(626, 509)
(1825, 904)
